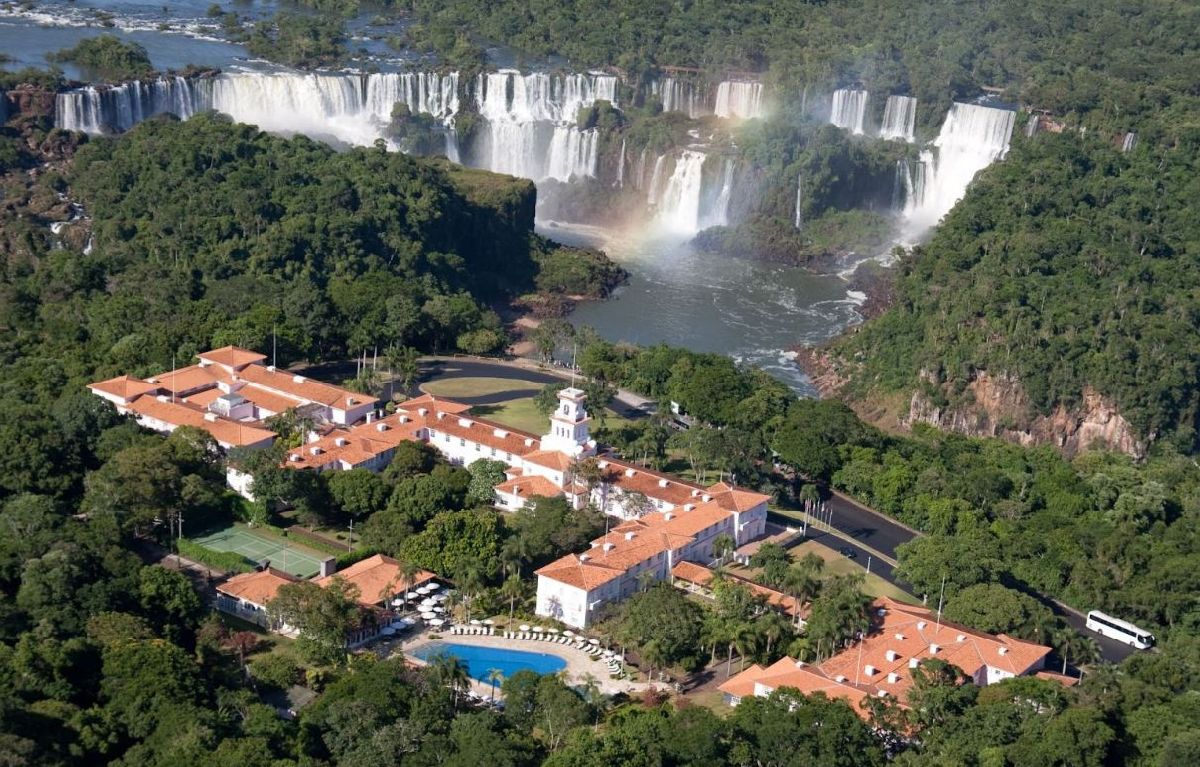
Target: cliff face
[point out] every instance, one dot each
(996, 406)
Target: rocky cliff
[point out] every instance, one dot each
(997, 406)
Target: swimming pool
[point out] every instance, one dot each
(479, 660)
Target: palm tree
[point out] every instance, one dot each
(408, 574)
(494, 676)
(450, 672)
(712, 633)
(513, 553)
(512, 589)
(722, 546)
(655, 657)
(470, 581)
(1075, 648)
(801, 583)
(745, 639)
(773, 627)
(402, 362)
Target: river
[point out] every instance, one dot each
(752, 312)
(676, 294)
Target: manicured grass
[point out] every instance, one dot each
(838, 564)
(713, 700)
(476, 387)
(517, 414)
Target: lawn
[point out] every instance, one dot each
(477, 387)
(519, 414)
(837, 564)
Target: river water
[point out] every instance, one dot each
(752, 312)
(676, 294)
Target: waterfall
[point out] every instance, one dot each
(678, 96)
(899, 118)
(639, 170)
(531, 130)
(799, 198)
(1032, 126)
(849, 110)
(621, 166)
(101, 109)
(572, 153)
(717, 211)
(655, 180)
(971, 138)
(678, 209)
(909, 189)
(1129, 142)
(349, 107)
(739, 100)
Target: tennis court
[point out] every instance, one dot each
(288, 557)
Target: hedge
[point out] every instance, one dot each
(228, 561)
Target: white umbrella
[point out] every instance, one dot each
(474, 621)
(439, 609)
(568, 633)
(433, 586)
(538, 629)
(489, 622)
(552, 631)
(412, 595)
(524, 627)
(436, 622)
(593, 640)
(438, 597)
(422, 589)
(428, 616)
(397, 602)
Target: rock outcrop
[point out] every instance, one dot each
(997, 406)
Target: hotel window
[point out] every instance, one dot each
(462, 442)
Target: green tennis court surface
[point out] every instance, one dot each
(290, 558)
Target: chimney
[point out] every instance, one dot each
(501, 433)
(892, 655)
(695, 492)
(961, 638)
(893, 677)
(422, 411)
(706, 497)
(630, 472)
(668, 516)
(210, 417)
(609, 546)
(584, 557)
(465, 423)
(315, 450)
(298, 379)
(839, 679)
(340, 442)
(689, 506)
(381, 426)
(1003, 650)
(913, 662)
(328, 567)
(921, 625)
(293, 457)
(933, 648)
(881, 693)
(869, 670)
(351, 401)
(404, 419)
(899, 636)
(271, 368)
(630, 535)
(528, 442)
(663, 483)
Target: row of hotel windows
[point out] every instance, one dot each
(478, 447)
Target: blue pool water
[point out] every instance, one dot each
(479, 660)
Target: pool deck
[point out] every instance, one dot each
(579, 664)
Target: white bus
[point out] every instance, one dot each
(1122, 631)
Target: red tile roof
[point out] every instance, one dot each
(377, 578)
(232, 356)
(303, 388)
(528, 487)
(257, 587)
(125, 387)
(228, 433)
